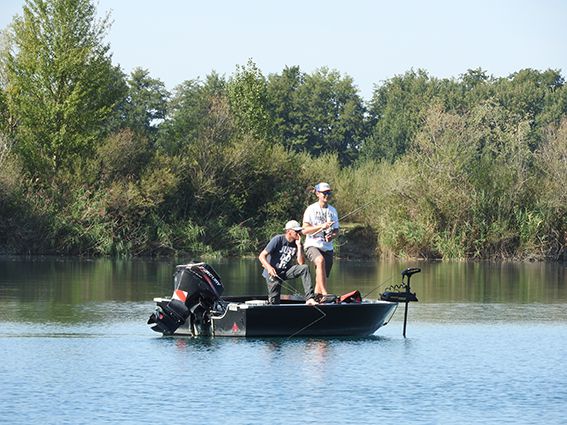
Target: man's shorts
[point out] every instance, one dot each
(312, 253)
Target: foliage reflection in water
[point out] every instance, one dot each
(75, 291)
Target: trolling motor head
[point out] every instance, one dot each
(196, 288)
(401, 293)
(410, 271)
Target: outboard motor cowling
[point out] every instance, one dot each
(196, 289)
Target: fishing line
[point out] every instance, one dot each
(285, 285)
(323, 315)
(381, 285)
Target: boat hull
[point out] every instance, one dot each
(258, 319)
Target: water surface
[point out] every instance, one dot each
(485, 345)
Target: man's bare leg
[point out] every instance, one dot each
(320, 276)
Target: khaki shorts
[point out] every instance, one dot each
(312, 253)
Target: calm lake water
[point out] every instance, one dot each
(486, 344)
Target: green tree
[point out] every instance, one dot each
(397, 111)
(195, 136)
(463, 189)
(247, 93)
(533, 95)
(4, 116)
(317, 113)
(285, 108)
(123, 155)
(334, 120)
(192, 109)
(61, 85)
(145, 106)
(551, 164)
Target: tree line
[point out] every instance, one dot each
(97, 162)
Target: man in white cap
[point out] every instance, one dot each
(276, 260)
(321, 226)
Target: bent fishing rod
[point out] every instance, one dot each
(313, 190)
(347, 215)
(356, 210)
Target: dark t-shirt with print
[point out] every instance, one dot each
(281, 253)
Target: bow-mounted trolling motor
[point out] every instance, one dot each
(197, 290)
(402, 293)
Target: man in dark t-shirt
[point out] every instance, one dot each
(277, 258)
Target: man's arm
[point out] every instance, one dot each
(300, 256)
(309, 229)
(263, 257)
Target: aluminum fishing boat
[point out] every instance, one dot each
(198, 308)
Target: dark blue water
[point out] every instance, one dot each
(76, 350)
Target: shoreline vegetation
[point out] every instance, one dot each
(94, 162)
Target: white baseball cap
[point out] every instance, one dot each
(293, 225)
(323, 187)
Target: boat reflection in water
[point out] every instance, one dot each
(198, 308)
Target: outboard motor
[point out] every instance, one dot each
(197, 287)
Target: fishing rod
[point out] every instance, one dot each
(313, 190)
(347, 215)
(358, 209)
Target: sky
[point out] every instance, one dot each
(369, 40)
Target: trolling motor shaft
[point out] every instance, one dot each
(405, 296)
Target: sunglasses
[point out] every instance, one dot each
(326, 193)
